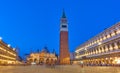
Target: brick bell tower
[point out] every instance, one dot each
(64, 49)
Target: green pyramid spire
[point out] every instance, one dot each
(63, 15)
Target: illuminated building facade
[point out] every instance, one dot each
(103, 49)
(8, 55)
(64, 46)
(42, 57)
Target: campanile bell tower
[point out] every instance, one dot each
(64, 49)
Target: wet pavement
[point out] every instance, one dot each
(58, 69)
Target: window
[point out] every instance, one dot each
(115, 32)
(118, 43)
(64, 26)
(110, 34)
(113, 45)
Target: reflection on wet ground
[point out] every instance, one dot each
(58, 69)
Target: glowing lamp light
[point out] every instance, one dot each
(9, 62)
(106, 58)
(99, 43)
(81, 62)
(118, 61)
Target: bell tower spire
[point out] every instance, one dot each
(64, 24)
(63, 15)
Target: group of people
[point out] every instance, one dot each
(50, 63)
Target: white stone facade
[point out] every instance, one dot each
(107, 42)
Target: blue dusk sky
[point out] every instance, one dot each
(33, 24)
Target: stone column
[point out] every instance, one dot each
(99, 50)
(108, 35)
(103, 49)
(101, 39)
(111, 47)
(104, 37)
(96, 51)
(93, 51)
(117, 30)
(116, 45)
(112, 33)
(106, 48)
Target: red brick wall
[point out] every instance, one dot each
(64, 49)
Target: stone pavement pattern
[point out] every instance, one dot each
(58, 69)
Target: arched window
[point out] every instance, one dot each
(113, 46)
(35, 60)
(106, 36)
(102, 37)
(118, 44)
(97, 51)
(109, 47)
(106, 48)
(110, 34)
(100, 49)
(103, 50)
(115, 32)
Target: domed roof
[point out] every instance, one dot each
(45, 49)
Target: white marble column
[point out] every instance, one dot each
(93, 51)
(116, 46)
(99, 50)
(117, 30)
(111, 47)
(106, 48)
(103, 49)
(96, 51)
(112, 33)
(104, 37)
(108, 35)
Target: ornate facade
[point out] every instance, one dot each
(8, 55)
(103, 49)
(42, 57)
